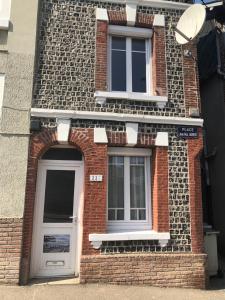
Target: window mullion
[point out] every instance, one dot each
(148, 66)
(126, 188)
(129, 64)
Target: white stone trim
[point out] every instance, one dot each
(97, 238)
(132, 133)
(101, 14)
(214, 4)
(152, 3)
(131, 10)
(4, 24)
(159, 20)
(5, 7)
(130, 31)
(63, 128)
(109, 116)
(162, 139)
(100, 136)
(101, 96)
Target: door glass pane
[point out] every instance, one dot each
(59, 193)
(138, 66)
(116, 188)
(118, 64)
(137, 188)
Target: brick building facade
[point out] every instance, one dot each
(136, 212)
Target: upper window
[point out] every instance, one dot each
(129, 60)
(128, 190)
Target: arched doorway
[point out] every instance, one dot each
(58, 208)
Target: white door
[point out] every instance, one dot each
(55, 245)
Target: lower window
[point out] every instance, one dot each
(128, 189)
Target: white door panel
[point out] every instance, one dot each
(57, 218)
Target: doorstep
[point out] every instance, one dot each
(55, 281)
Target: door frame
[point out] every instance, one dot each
(78, 166)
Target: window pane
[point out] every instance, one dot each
(138, 45)
(137, 183)
(59, 192)
(133, 214)
(137, 160)
(119, 43)
(111, 214)
(138, 72)
(120, 214)
(116, 182)
(142, 214)
(118, 67)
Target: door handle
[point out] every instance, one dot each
(75, 218)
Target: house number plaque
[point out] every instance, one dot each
(96, 177)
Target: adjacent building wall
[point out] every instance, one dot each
(16, 62)
(17, 51)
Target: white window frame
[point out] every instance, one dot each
(129, 33)
(126, 224)
(5, 8)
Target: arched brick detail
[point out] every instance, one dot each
(95, 159)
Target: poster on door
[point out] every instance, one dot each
(56, 243)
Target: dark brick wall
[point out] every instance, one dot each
(65, 76)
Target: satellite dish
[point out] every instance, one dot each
(190, 23)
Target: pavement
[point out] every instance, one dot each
(70, 290)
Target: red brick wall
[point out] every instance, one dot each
(191, 80)
(160, 205)
(95, 162)
(194, 150)
(159, 68)
(163, 270)
(10, 249)
(101, 56)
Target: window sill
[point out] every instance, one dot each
(4, 24)
(101, 97)
(96, 239)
